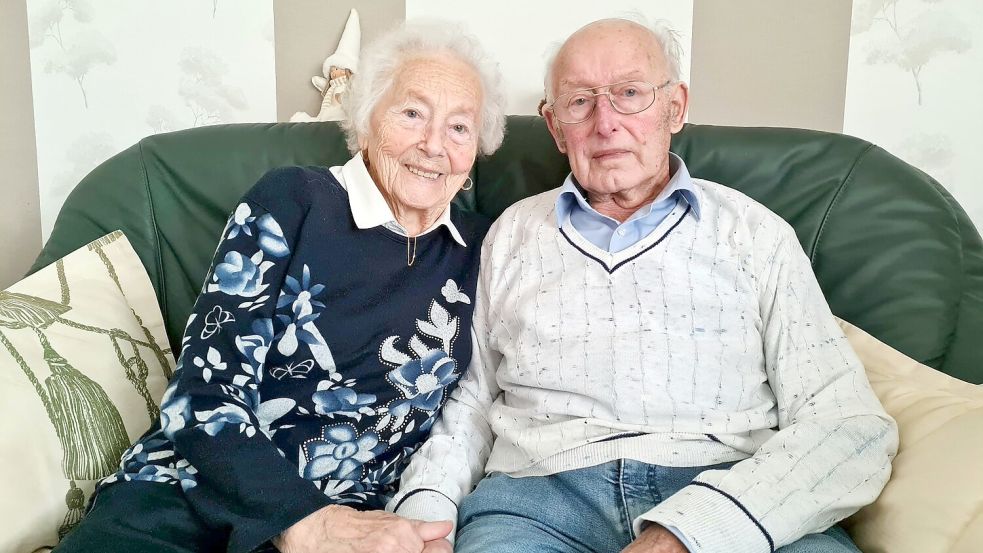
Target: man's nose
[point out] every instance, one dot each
(606, 119)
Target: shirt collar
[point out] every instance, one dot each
(369, 207)
(680, 183)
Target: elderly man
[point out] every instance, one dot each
(657, 368)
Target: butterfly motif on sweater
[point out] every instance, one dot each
(453, 294)
(293, 370)
(214, 321)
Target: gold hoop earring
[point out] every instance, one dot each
(469, 186)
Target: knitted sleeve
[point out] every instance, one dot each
(833, 449)
(212, 410)
(452, 460)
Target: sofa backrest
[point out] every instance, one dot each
(893, 251)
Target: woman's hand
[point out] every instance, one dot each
(338, 529)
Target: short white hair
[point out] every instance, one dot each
(664, 34)
(414, 40)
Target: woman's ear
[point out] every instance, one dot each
(363, 148)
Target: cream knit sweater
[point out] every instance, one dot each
(708, 341)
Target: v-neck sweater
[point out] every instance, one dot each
(707, 341)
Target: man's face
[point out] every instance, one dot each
(612, 152)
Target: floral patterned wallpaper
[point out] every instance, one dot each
(106, 73)
(914, 82)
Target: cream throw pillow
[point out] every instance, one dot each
(83, 364)
(934, 500)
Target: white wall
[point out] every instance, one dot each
(520, 34)
(106, 74)
(914, 85)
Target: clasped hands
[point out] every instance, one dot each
(339, 529)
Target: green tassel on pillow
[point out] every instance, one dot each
(75, 500)
(87, 423)
(21, 310)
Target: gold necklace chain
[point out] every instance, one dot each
(410, 259)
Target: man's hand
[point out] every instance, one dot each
(438, 546)
(337, 529)
(656, 539)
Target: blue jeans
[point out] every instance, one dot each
(585, 511)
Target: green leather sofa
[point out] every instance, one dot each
(894, 252)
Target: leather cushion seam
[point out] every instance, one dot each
(164, 307)
(836, 196)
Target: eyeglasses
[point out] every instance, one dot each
(627, 98)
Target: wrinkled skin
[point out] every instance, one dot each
(622, 161)
(423, 138)
(338, 529)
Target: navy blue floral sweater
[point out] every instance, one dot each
(314, 363)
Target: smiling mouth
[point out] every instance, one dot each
(422, 173)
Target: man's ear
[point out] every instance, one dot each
(556, 130)
(678, 104)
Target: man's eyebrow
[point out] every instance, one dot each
(578, 84)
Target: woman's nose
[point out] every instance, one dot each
(432, 142)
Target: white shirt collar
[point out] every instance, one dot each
(369, 207)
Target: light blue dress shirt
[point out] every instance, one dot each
(613, 236)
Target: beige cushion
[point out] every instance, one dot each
(934, 500)
(83, 364)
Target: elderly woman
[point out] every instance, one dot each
(332, 325)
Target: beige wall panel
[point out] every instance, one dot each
(307, 31)
(770, 63)
(20, 214)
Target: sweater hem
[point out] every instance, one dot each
(688, 453)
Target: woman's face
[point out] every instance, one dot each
(423, 137)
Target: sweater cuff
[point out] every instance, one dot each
(428, 505)
(710, 520)
(250, 534)
(679, 536)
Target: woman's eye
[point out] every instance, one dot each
(629, 92)
(412, 113)
(460, 129)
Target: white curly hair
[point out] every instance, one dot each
(413, 40)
